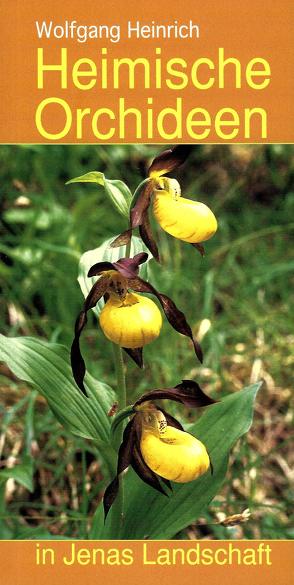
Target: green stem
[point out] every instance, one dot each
(120, 377)
(117, 512)
(128, 249)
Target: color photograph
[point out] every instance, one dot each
(146, 342)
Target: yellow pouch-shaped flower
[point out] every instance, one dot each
(174, 454)
(132, 322)
(128, 319)
(156, 445)
(187, 220)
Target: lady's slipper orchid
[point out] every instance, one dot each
(185, 219)
(156, 445)
(128, 319)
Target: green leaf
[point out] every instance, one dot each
(120, 195)
(22, 473)
(92, 177)
(47, 366)
(102, 254)
(218, 428)
(117, 191)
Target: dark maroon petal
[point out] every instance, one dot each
(197, 349)
(144, 472)
(178, 321)
(147, 236)
(97, 291)
(175, 317)
(194, 394)
(122, 240)
(99, 268)
(188, 393)
(200, 248)
(125, 455)
(141, 205)
(168, 160)
(125, 452)
(167, 483)
(77, 362)
(129, 267)
(110, 495)
(136, 354)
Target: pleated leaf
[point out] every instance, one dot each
(117, 191)
(148, 514)
(47, 366)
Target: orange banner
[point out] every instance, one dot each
(133, 562)
(146, 71)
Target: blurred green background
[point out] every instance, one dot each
(237, 300)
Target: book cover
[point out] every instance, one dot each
(146, 215)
